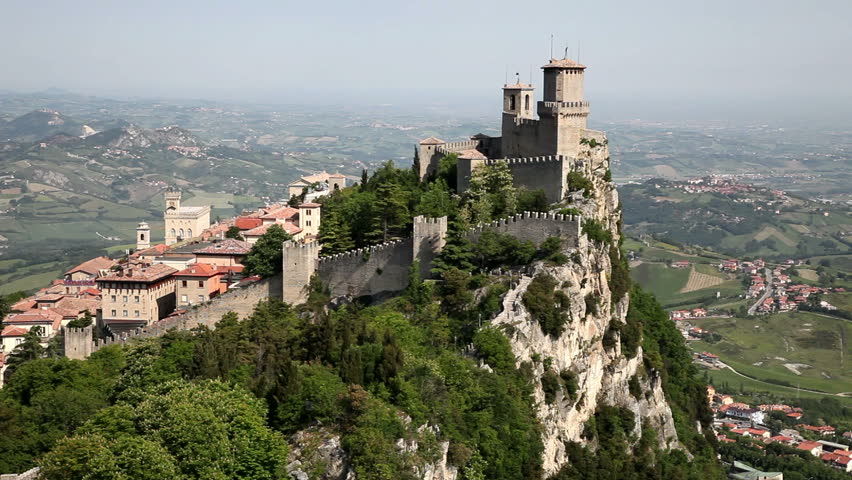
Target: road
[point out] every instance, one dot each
(766, 293)
(841, 394)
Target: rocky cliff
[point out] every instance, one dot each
(603, 372)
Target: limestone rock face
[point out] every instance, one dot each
(603, 374)
(316, 454)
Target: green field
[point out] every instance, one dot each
(754, 388)
(667, 283)
(760, 347)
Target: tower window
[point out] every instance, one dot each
(181, 233)
(189, 233)
(172, 233)
(142, 237)
(527, 102)
(512, 102)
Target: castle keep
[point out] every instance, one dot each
(541, 151)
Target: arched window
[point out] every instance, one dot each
(142, 237)
(181, 233)
(172, 233)
(527, 102)
(189, 233)
(512, 102)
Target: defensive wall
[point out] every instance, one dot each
(79, 344)
(366, 271)
(534, 227)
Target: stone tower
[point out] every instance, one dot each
(143, 236)
(563, 111)
(309, 218)
(428, 239)
(78, 342)
(172, 202)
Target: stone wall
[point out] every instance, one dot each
(367, 271)
(535, 173)
(534, 227)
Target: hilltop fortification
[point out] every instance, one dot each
(539, 151)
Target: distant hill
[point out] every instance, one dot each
(39, 124)
(133, 136)
(748, 221)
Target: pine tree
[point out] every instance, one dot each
(335, 235)
(392, 209)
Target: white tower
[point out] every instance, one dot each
(143, 236)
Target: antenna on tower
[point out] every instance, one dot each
(530, 74)
(566, 53)
(518, 75)
(578, 51)
(551, 45)
(507, 74)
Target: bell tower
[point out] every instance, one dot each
(172, 202)
(143, 236)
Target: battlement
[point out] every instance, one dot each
(360, 252)
(455, 147)
(527, 160)
(526, 121)
(523, 218)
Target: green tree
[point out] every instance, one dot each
(335, 235)
(28, 350)
(265, 256)
(392, 209)
(234, 232)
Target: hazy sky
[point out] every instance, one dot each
(724, 52)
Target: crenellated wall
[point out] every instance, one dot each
(534, 227)
(367, 271)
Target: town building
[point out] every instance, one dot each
(198, 283)
(316, 184)
(136, 295)
(182, 222)
(143, 236)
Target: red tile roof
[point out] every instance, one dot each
(198, 270)
(14, 331)
(244, 223)
(138, 273)
(93, 266)
(809, 445)
(155, 251)
(432, 141)
(288, 227)
(229, 246)
(281, 212)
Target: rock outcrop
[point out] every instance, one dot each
(603, 372)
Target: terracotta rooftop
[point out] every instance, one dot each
(140, 273)
(288, 227)
(50, 297)
(563, 63)
(246, 223)
(309, 205)
(281, 212)
(432, 141)
(229, 246)
(156, 250)
(472, 154)
(198, 270)
(336, 175)
(14, 331)
(93, 266)
(24, 304)
(73, 307)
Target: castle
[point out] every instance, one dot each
(541, 151)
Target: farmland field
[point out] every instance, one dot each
(700, 281)
(791, 349)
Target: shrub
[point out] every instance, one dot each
(577, 181)
(596, 231)
(494, 348)
(550, 383)
(547, 305)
